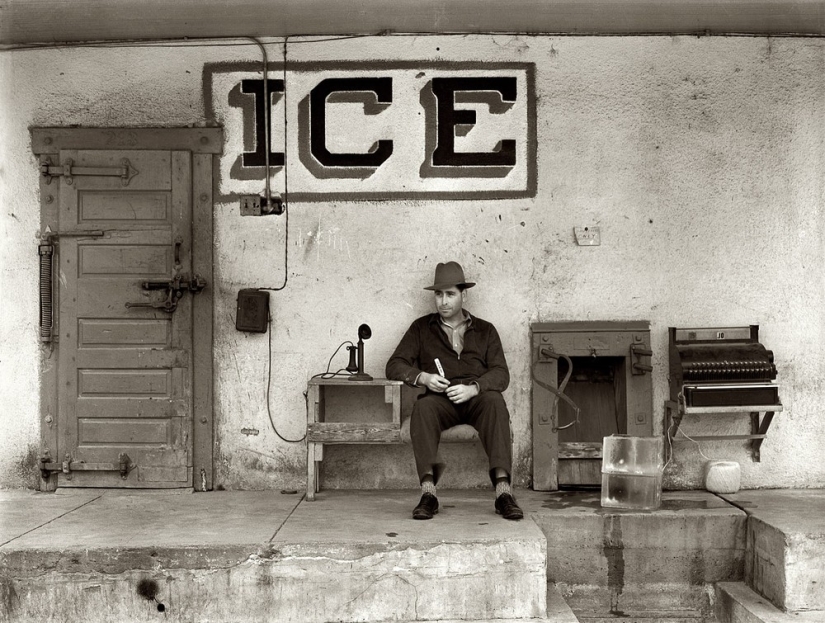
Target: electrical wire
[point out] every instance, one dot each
(203, 42)
(267, 128)
(324, 375)
(268, 198)
(328, 374)
(186, 42)
(670, 438)
(268, 386)
(285, 196)
(689, 438)
(670, 446)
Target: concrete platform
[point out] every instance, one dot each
(86, 555)
(640, 565)
(786, 546)
(263, 556)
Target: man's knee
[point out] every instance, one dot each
(425, 412)
(493, 401)
(426, 406)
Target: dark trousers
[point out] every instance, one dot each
(434, 413)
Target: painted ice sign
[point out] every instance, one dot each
(377, 131)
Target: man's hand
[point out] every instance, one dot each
(462, 393)
(434, 382)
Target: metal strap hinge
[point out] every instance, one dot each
(124, 466)
(77, 233)
(637, 351)
(68, 171)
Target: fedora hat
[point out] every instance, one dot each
(449, 275)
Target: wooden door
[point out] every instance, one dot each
(597, 386)
(125, 397)
(610, 384)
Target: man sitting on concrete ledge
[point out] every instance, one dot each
(459, 359)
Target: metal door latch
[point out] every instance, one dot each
(68, 171)
(175, 289)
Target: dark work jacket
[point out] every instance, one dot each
(481, 361)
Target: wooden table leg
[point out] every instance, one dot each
(312, 472)
(313, 416)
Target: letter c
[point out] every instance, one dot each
(381, 87)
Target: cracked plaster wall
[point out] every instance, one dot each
(701, 159)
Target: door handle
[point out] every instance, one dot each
(169, 304)
(181, 283)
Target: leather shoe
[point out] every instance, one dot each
(427, 507)
(506, 507)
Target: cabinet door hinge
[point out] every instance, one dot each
(124, 465)
(68, 171)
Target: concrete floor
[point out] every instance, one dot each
(76, 532)
(89, 518)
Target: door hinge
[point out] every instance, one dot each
(637, 351)
(68, 171)
(124, 466)
(46, 252)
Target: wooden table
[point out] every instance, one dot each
(347, 429)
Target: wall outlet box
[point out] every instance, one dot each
(588, 236)
(253, 310)
(250, 205)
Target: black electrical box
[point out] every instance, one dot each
(253, 310)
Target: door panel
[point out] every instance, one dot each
(126, 370)
(141, 207)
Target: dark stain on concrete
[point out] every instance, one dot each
(613, 549)
(148, 589)
(8, 595)
(265, 579)
(697, 571)
(569, 499)
(679, 505)
(580, 499)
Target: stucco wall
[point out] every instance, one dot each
(701, 159)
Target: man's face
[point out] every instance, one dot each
(449, 302)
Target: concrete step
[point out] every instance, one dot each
(466, 563)
(639, 565)
(737, 603)
(786, 546)
(345, 557)
(649, 616)
(558, 610)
